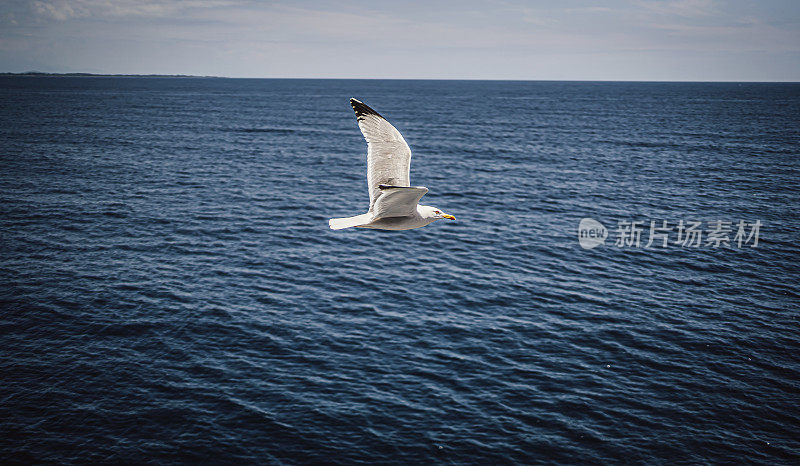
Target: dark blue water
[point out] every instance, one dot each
(171, 291)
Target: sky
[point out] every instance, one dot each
(625, 40)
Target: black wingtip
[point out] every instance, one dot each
(362, 109)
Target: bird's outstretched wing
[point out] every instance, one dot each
(388, 155)
(397, 201)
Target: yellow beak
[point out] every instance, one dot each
(448, 217)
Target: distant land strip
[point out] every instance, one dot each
(96, 75)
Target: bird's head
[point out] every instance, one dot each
(432, 212)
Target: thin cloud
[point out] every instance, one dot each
(62, 10)
(683, 8)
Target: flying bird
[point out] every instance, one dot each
(393, 202)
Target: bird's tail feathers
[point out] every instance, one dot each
(349, 222)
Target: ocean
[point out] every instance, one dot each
(171, 292)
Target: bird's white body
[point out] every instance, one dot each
(394, 204)
(418, 219)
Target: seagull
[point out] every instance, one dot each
(393, 202)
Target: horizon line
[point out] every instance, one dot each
(79, 74)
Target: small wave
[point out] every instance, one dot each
(261, 130)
